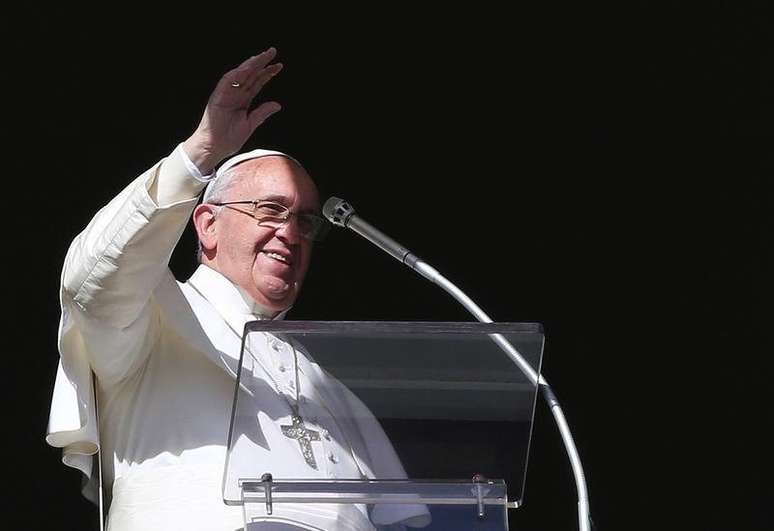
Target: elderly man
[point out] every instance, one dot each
(153, 359)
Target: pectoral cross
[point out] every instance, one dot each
(303, 435)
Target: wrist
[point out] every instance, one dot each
(201, 154)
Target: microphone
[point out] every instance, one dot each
(341, 214)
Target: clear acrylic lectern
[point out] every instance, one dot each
(381, 425)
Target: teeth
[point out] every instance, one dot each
(277, 257)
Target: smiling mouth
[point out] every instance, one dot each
(278, 257)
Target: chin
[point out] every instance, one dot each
(277, 304)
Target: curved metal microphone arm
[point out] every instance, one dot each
(340, 213)
(435, 277)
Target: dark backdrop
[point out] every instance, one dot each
(602, 170)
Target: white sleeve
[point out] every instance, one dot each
(109, 275)
(113, 266)
(167, 191)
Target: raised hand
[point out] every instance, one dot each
(227, 122)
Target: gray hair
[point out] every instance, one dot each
(216, 193)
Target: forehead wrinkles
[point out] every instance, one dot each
(274, 176)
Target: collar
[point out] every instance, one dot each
(228, 298)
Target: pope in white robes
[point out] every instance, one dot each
(148, 363)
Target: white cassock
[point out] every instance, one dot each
(165, 355)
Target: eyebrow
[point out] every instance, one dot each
(284, 200)
(279, 198)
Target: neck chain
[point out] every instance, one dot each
(297, 430)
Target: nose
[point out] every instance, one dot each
(289, 231)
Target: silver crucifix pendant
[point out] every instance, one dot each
(303, 435)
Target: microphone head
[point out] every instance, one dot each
(338, 211)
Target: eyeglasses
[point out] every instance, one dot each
(275, 215)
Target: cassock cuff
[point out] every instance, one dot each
(192, 168)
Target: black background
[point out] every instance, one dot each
(601, 169)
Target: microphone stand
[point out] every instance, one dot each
(342, 214)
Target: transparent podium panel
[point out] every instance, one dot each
(379, 425)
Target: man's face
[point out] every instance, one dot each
(269, 263)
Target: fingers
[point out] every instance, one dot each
(259, 115)
(238, 87)
(260, 60)
(245, 73)
(258, 78)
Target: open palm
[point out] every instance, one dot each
(228, 122)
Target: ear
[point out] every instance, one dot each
(204, 222)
